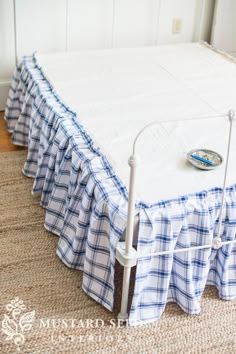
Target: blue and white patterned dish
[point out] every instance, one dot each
(210, 155)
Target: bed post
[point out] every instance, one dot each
(217, 242)
(125, 253)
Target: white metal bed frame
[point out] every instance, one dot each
(126, 254)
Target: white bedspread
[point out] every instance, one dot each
(117, 92)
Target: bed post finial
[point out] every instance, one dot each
(231, 115)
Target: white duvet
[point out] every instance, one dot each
(117, 92)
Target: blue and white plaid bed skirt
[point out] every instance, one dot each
(86, 206)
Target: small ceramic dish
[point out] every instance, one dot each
(204, 159)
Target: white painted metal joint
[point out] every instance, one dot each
(231, 115)
(133, 161)
(126, 260)
(216, 243)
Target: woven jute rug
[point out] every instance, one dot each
(44, 310)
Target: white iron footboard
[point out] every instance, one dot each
(125, 253)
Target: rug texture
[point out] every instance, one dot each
(44, 310)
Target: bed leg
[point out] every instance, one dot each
(123, 315)
(127, 261)
(125, 253)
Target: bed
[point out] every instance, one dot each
(79, 114)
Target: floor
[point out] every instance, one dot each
(5, 138)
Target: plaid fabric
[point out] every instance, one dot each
(86, 205)
(181, 277)
(72, 177)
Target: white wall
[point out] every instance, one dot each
(40, 24)
(184, 9)
(89, 24)
(135, 22)
(59, 25)
(7, 48)
(224, 27)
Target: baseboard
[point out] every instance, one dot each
(4, 88)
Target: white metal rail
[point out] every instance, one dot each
(125, 253)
